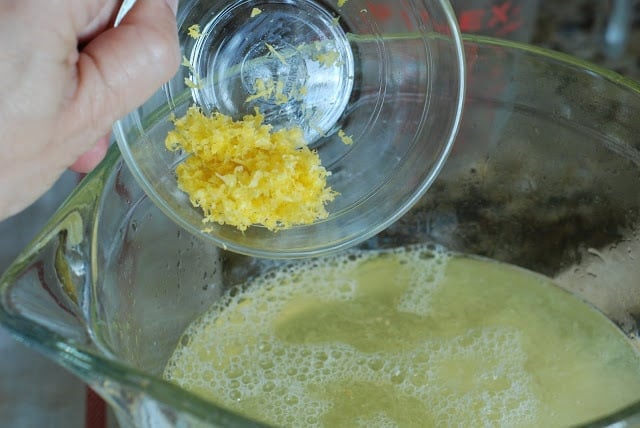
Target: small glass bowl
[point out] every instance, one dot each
(394, 85)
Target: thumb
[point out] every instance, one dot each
(122, 67)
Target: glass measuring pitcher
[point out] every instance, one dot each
(110, 284)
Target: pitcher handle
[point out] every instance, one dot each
(44, 292)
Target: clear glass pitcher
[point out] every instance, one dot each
(545, 174)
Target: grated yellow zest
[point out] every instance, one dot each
(264, 90)
(243, 173)
(194, 31)
(327, 59)
(277, 54)
(193, 82)
(346, 139)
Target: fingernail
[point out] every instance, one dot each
(173, 4)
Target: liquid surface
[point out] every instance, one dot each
(412, 337)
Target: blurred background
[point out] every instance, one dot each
(605, 32)
(35, 392)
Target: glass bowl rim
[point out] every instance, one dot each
(324, 248)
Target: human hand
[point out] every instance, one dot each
(66, 75)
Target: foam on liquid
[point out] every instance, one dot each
(411, 337)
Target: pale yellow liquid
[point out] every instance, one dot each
(412, 337)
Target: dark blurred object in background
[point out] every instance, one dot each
(605, 32)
